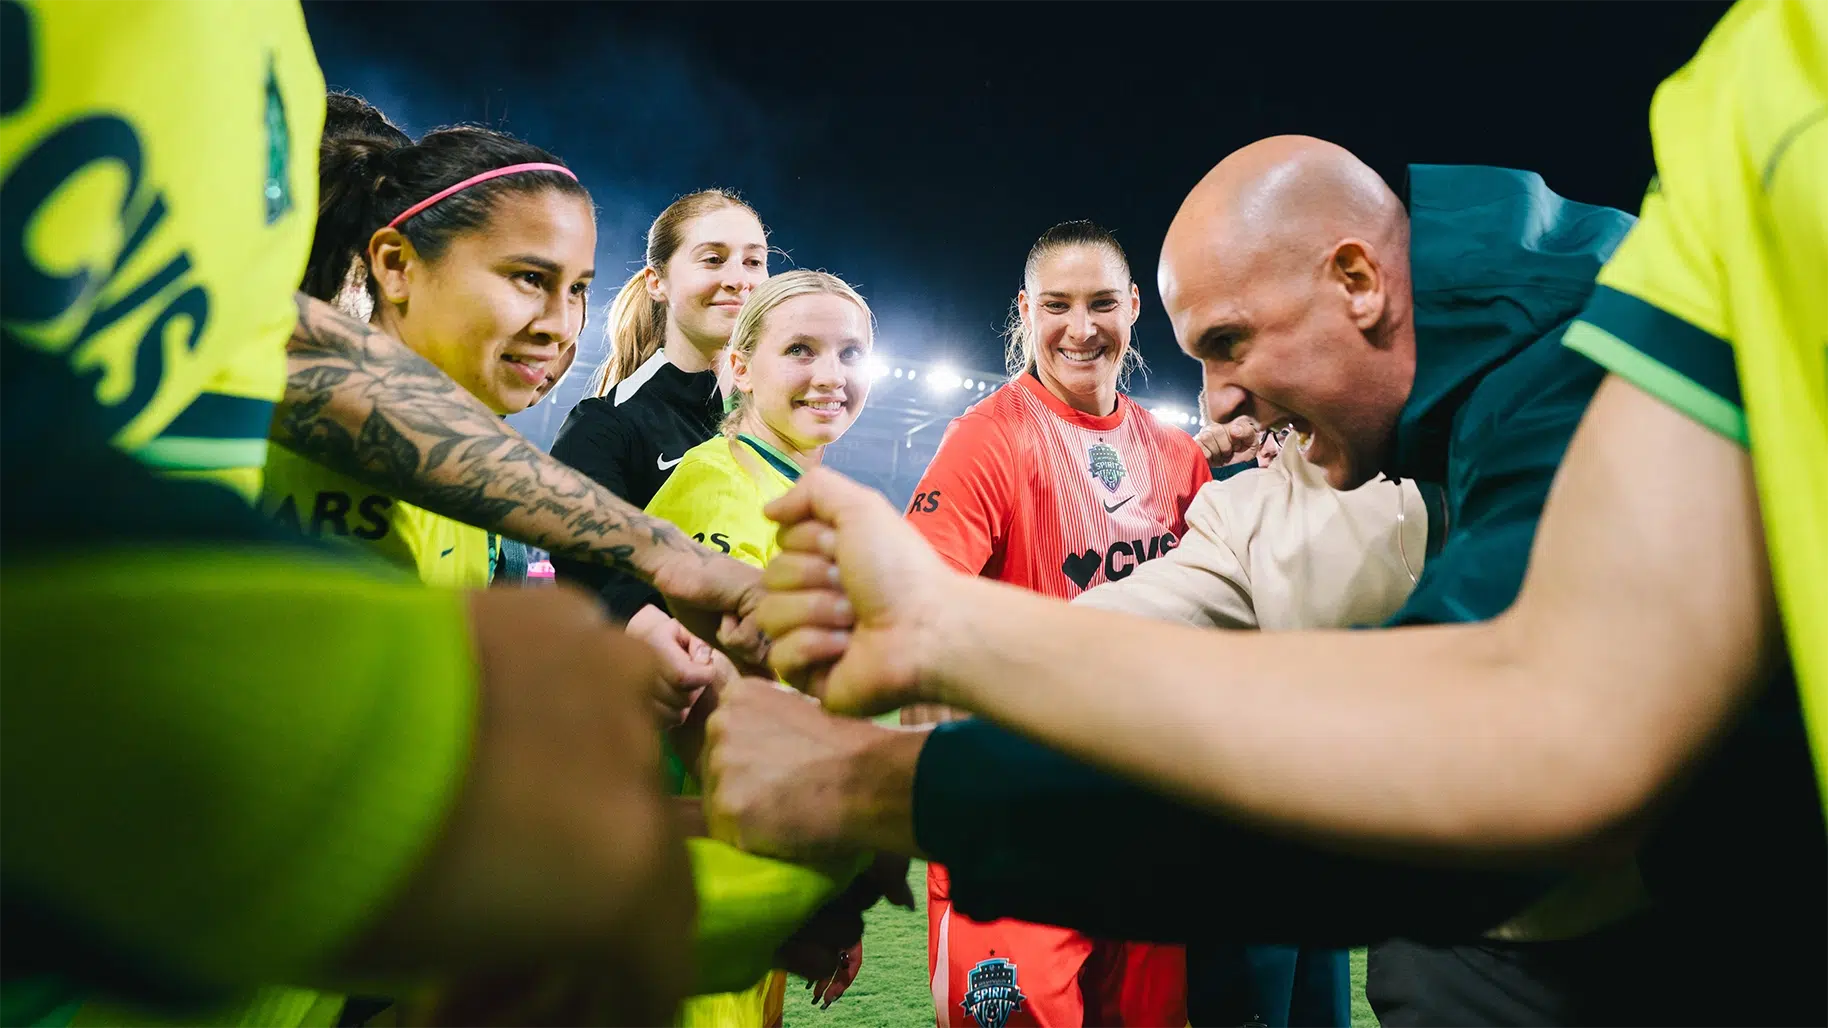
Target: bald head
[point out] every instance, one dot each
(1286, 273)
(1280, 199)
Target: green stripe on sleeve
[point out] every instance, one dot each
(1658, 379)
(1690, 351)
(179, 453)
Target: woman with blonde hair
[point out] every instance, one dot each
(796, 365)
(656, 396)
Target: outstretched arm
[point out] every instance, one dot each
(1621, 661)
(358, 401)
(1551, 728)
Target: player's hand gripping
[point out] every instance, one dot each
(688, 665)
(851, 599)
(1230, 442)
(715, 597)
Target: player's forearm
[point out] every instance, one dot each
(360, 402)
(1421, 739)
(879, 798)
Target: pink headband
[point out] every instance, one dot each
(475, 179)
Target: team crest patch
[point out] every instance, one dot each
(278, 188)
(1106, 466)
(991, 994)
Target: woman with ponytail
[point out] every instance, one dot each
(656, 396)
(796, 364)
(477, 251)
(1058, 462)
(683, 337)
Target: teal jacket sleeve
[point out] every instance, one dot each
(1028, 833)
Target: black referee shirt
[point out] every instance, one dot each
(629, 442)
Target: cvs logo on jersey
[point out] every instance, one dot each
(63, 284)
(1117, 561)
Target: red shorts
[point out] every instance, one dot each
(993, 974)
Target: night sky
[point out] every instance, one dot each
(918, 150)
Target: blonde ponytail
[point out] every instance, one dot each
(637, 331)
(1018, 347)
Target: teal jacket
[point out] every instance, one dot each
(1501, 265)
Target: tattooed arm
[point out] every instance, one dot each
(360, 402)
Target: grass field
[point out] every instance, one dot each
(892, 990)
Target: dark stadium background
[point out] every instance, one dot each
(917, 150)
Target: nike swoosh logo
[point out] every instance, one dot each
(447, 552)
(664, 464)
(1112, 509)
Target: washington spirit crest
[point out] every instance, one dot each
(1106, 466)
(991, 994)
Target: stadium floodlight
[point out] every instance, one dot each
(980, 387)
(911, 374)
(967, 383)
(878, 367)
(897, 372)
(943, 379)
(1169, 414)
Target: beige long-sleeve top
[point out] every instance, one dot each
(1278, 548)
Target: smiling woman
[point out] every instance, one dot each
(477, 251)
(1071, 322)
(656, 395)
(1055, 482)
(798, 367)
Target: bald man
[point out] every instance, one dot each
(1427, 344)
(1394, 340)
(1640, 696)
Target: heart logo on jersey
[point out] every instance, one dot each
(1080, 567)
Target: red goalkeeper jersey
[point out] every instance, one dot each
(1027, 490)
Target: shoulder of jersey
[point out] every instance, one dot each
(602, 408)
(713, 453)
(1154, 426)
(1003, 402)
(601, 415)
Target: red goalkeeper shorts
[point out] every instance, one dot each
(1013, 974)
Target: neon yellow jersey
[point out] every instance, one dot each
(323, 504)
(747, 905)
(712, 496)
(160, 191)
(310, 826)
(719, 502)
(1717, 302)
(157, 225)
